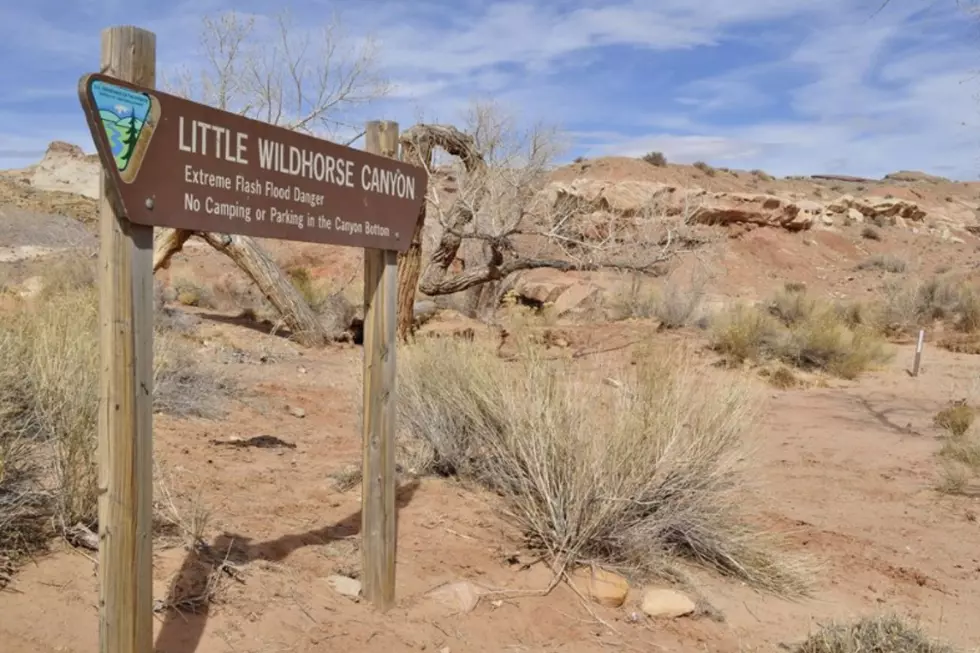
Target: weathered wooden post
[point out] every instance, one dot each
(126, 397)
(378, 510)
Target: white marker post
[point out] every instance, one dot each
(918, 352)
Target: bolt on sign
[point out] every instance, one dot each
(182, 164)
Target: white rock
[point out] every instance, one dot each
(349, 587)
(668, 603)
(461, 597)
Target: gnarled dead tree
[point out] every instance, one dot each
(498, 202)
(292, 77)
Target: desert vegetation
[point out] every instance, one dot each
(663, 484)
(49, 404)
(878, 633)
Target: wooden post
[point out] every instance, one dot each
(126, 391)
(918, 352)
(378, 518)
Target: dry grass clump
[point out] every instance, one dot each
(191, 292)
(781, 378)
(636, 300)
(632, 476)
(907, 307)
(878, 634)
(957, 418)
(960, 452)
(801, 331)
(676, 305)
(49, 396)
(745, 333)
(870, 233)
(679, 304)
(885, 263)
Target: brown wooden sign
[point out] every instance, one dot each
(177, 163)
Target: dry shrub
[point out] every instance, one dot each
(182, 385)
(191, 292)
(633, 476)
(679, 303)
(877, 634)
(824, 342)
(655, 159)
(870, 233)
(744, 333)
(782, 378)
(907, 307)
(51, 392)
(800, 331)
(25, 525)
(636, 300)
(49, 396)
(960, 452)
(955, 418)
(705, 168)
(792, 305)
(885, 263)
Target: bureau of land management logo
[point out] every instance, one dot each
(128, 118)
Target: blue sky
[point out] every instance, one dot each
(789, 86)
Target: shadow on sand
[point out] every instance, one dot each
(181, 631)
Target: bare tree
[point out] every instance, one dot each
(291, 76)
(284, 74)
(496, 217)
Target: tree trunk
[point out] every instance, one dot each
(261, 269)
(166, 243)
(419, 143)
(417, 151)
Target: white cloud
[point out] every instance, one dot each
(832, 85)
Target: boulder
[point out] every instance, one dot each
(878, 208)
(65, 167)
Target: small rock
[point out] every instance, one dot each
(349, 587)
(296, 411)
(461, 597)
(601, 586)
(662, 602)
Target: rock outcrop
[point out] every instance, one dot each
(65, 167)
(604, 198)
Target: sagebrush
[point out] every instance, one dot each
(877, 634)
(633, 475)
(49, 399)
(802, 331)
